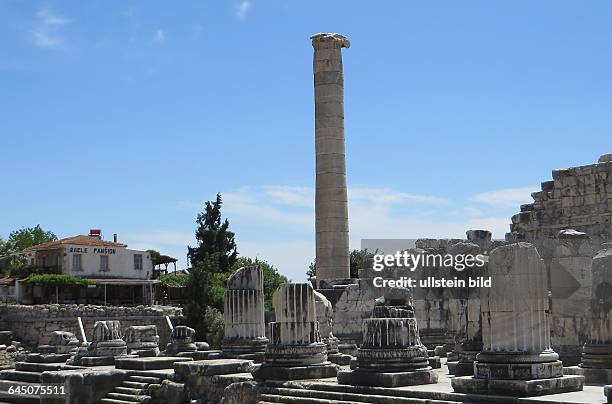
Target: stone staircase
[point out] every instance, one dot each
(331, 393)
(133, 390)
(27, 374)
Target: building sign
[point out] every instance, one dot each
(96, 250)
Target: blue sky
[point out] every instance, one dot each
(127, 115)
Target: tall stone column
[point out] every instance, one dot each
(331, 199)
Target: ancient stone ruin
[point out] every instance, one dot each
(296, 350)
(596, 361)
(182, 341)
(107, 344)
(517, 358)
(331, 197)
(245, 334)
(142, 340)
(391, 353)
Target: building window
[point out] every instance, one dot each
(138, 262)
(76, 262)
(104, 263)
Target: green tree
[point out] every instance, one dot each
(272, 278)
(19, 240)
(213, 237)
(26, 237)
(211, 261)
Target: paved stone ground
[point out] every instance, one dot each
(590, 395)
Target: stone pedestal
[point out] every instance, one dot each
(391, 354)
(517, 358)
(181, 341)
(245, 335)
(596, 361)
(142, 340)
(296, 350)
(106, 345)
(331, 199)
(62, 342)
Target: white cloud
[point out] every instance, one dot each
(159, 36)
(509, 197)
(276, 222)
(242, 9)
(46, 33)
(294, 196)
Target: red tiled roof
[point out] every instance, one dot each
(78, 240)
(7, 281)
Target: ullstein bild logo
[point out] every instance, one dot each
(392, 255)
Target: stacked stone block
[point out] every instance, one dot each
(142, 340)
(578, 198)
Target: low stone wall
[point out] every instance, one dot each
(33, 324)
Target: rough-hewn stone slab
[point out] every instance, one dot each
(397, 379)
(518, 388)
(149, 363)
(213, 367)
(266, 372)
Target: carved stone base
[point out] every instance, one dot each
(393, 360)
(518, 371)
(236, 347)
(296, 355)
(518, 388)
(386, 379)
(319, 371)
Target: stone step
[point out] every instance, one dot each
(135, 385)
(144, 379)
(128, 397)
(43, 367)
(365, 397)
(270, 398)
(113, 401)
(21, 376)
(129, 390)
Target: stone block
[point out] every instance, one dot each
(150, 363)
(518, 388)
(213, 367)
(518, 371)
(318, 371)
(396, 379)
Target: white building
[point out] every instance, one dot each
(116, 273)
(91, 257)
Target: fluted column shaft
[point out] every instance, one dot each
(331, 199)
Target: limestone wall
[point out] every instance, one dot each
(33, 324)
(578, 198)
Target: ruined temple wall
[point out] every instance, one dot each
(578, 198)
(33, 324)
(438, 310)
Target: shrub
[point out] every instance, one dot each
(56, 280)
